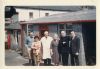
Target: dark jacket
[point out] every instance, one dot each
(63, 46)
(75, 45)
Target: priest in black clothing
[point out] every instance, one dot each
(63, 48)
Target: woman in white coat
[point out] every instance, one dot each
(46, 43)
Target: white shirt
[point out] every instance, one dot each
(46, 42)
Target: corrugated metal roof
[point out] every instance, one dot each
(56, 8)
(65, 17)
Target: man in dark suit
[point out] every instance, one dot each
(74, 48)
(63, 48)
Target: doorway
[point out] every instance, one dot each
(89, 38)
(42, 29)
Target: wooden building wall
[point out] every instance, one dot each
(53, 28)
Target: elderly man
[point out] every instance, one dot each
(63, 48)
(75, 45)
(46, 43)
(28, 43)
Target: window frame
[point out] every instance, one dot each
(65, 28)
(30, 15)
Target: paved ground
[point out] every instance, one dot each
(12, 58)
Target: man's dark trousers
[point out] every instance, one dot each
(74, 60)
(65, 59)
(47, 61)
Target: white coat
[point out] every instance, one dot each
(46, 43)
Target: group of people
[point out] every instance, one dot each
(53, 49)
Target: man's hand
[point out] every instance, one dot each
(77, 53)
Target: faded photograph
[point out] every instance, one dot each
(50, 35)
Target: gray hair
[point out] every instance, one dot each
(63, 33)
(56, 36)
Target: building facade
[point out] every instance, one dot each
(32, 14)
(77, 21)
(12, 29)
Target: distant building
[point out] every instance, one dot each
(32, 14)
(12, 29)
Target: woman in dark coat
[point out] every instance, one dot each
(54, 50)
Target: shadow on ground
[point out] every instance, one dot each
(41, 64)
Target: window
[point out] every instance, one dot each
(46, 14)
(61, 26)
(31, 15)
(30, 28)
(65, 27)
(69, 26)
